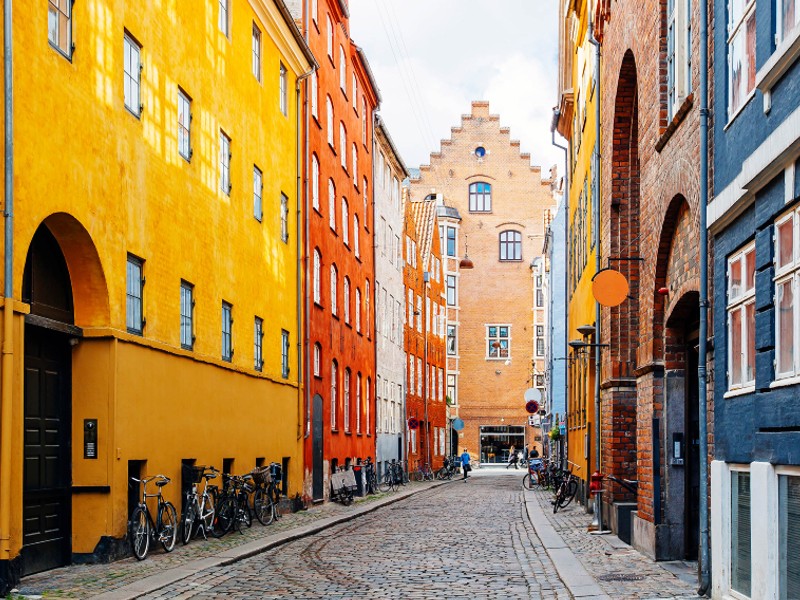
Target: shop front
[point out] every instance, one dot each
(496, 442)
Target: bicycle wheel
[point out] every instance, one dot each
(187, 520)
(559, 498)
(207, 515)
(225, 516)
(441, 474)
(346, 496)
(139, 534)
(244, 510)
(386, 483)
(167, 526)
(528, 482)
(263, 507)
(570, 489)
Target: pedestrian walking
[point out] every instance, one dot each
(513, 458)
(465, 466)
(534, 453)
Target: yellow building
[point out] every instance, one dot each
(576, 123)
(155, 262)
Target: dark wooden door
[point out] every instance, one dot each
(47, 467)
(692, 510)
(318, 484)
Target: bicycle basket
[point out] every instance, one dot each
(193, 473)
(261, 475)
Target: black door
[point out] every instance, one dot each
(46, 502)
(692, 508)
(318, 487)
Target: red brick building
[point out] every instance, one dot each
(340, 371)
(424, 336)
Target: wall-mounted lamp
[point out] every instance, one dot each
(586, 330)
(466, 263)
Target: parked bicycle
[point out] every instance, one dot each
(448, 469)
(535, 475)
(343, 482)
(143, 529)
(198, 511)
(263, 502)
(567, 489)
(423, 472)
(370, 478)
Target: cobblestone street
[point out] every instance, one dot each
(457, 540)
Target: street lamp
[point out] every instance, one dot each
(466, 262)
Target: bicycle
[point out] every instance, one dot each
(566, 490)
(370, 479)
(342, 484)
(448, 469)
(142, 528)
(389, 481)
(263, 504)
(198, 512)
(423, 472)
(534, 477)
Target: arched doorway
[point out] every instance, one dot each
(47, 476)
(317, 433)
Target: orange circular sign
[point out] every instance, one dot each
(610, 288)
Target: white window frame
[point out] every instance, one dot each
(334, 390)
(342, 71)
(256, 48)
(343, 145)
(332, 204)
(317, 287)
(317, 359)
(739, 303)
(284, 215)
(357, 308)
(258, 343)
(498, 338)
(227, 331)
(284, 90)
(187, 315)
(346, 397)
(329, 34)
(314, 10)
(735, 29)
(285, 345)
(780, 33)
(346, 299)
(678, 54)
(355, 92)
(334, 289)
(258, 190)
(789, 272)
(132, 75)
(356, 237)
(134, 298)
(314, 96)
(225, 163)
(331, 139)
(358, 403)
(354, 160)
(224, 21)
(314, 181)
(345, 222)
(59, 26)
(184, 125)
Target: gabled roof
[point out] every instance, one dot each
(424, 212)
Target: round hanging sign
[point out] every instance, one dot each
(413, 423)
(458, 424)
(609, 287)
(532, 406)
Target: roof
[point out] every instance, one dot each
(382, 127)
(298, 36)
(424, 212)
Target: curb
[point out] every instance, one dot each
(161, 580)
(579, 582)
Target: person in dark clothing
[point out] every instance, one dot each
(534, 453)
(513, 458)
(465, 466)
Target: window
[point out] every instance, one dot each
(284, 90)
(679, 50)
(740, 532)
(354, 159)
(356, 236)
(133, 75)
(329, 124)
(224, 163)
(346, 299)
(787, 280)
(366, 307)
(510, 245)
(789, 537)
(419, 376)
(334, 400)
(317, 271)
(284, 354)
(346, 392)
(314, 10)
(358, 403)
(258, 337)
(59, 25)
(741, 318)
(358, 309)
(330, 36)
(451, 241)
(451, 290)
(367, 407)
(366, 204)
(284, 218)
(331, 204)
(258, 185)
(342, 71)
(363, 121)
(314, 95)
(540, 346)
(411, 387)
(317, 359)
(788, 15)
(227, 331)
(334, 285)
(314, 181)
(135, 293)
(480, 197)
(498, 341)
(187, 315)
(355, 93)
(256, 52)
(418, 313)
(452, 348)
(343, 145)
(451, 388)
(224, 17)
(741, 52)
(184, 125)
(539, 298)
(345, 222)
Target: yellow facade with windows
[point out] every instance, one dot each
(107, 183)
(576, 123)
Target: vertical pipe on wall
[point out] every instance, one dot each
(703, 350)
(565, 199)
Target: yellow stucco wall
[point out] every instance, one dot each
(108, 183)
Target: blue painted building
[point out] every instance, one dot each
(754, 227)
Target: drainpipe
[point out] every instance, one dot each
(703, 350)
(6, 394)
(598, 499)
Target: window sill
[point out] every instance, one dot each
(496, 358)
(510, 260)
(333, 148)
(787, 381)
(62, 53)
(739, 110)
(316, 120)
(680, 115)
(316, 210)
(776, 67)
(318, 305)
(739, 392)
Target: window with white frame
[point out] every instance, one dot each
(332, 204)
(452, 340)
(451, 241)
(346, 298)
(258, 338)
(741, 52)
(741, 318)
(788, 12)
(787, 307)
(59, 25)
(418, 313)
(284, 354)
(258, 186)
(354, 160)
(317, 272)
(342, 71)
(411, 363)
(187, 315)
(329, 124)
(363, 121)
(480, 197)
(343, 145)
(314, 10)
(345, 222)
(510, 245)
(679, 76)
(419, 377)
(741, 564)
(284, 218)
(256, 49)
(451, 388)
(329, 34)
(358, 309)
(346, 394)
(356, 236)
(132, 65)
(134, 314)
(355, 92)
(441, 384)
(498, 341)
(366, 308)
(334, 400)
(366, 203)
(358, 403)
(452, 296)
(224, 163)
(224, 17)
(367, 406)
(184, 125)
(789, 536)
(284, 90)
(334, 286)
(314, 96)
(314, 181)
(227, 331)
(317, 359)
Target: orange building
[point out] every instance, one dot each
(340, 371)
(426, 414)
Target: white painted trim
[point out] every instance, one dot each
(720, 528)
(789, 178)
(763, 530)
(778, 383)
(781, 60)
(739, 392)
(781, 147)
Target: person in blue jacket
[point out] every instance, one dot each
(465, 466)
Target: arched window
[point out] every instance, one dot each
(332, 204)
(367, 411)
(315, 181)
(317, 359)
(343, 144)
(334, 286)
(366, 307)
(480, 197)
(329, 124)
(317, 276)
(330, 36)
(358, 403)
(345, 222)
(354, 158)
(510, 245)
(356, 236)
(346, 299)
(358, 309)
(342, 70)
(334, 398)
(346, 391)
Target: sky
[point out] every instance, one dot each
(432, 58)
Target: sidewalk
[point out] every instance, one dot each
(129, 578)
(602, 566)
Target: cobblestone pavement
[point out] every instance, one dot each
(621, 571)
(459, 540)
